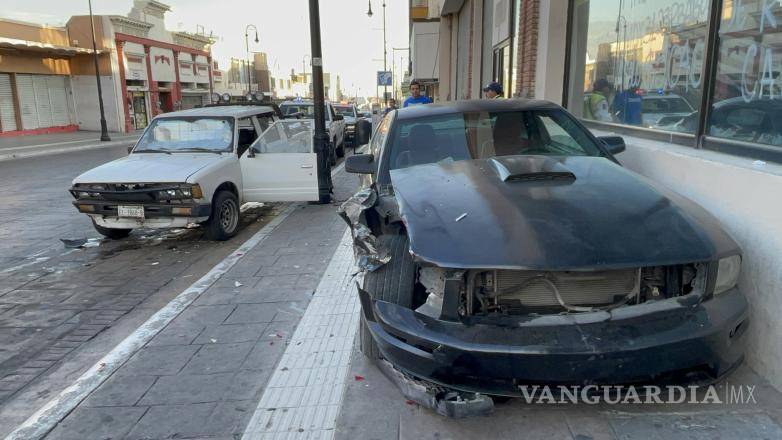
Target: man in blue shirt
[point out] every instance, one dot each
(416, 97)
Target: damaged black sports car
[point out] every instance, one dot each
(505, 245)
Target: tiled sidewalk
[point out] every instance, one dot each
(203, 375)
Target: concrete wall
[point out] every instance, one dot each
(85, 95)
(747, 199)
(33, 32)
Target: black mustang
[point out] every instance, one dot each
(505, 245)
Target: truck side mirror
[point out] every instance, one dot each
(614, 144)
(363, 132)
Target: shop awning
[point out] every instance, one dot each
(37, 46)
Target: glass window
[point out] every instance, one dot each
(747, 99)
(290, 136)
(187, 135)
(481, 135)
(639, 62)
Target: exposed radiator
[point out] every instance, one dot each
(575, 288)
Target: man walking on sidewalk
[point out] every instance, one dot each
(416, 98)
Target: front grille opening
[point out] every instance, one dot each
(519, 292)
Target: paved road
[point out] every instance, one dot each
(55, 300)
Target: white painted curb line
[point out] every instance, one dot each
(50, 151)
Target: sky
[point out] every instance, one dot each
(352, 43)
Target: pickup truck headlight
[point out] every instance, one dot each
(185, 191)
(728, 270)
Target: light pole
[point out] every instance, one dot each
(393, 60)
(247, 48)
(104, 131)
(385, 51)
(320, 138)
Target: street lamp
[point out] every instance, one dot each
(320, 138)
(104, 131)
(247, 48)
(385, 52)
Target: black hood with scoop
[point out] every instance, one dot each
(544, 213)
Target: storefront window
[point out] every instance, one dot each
(639, 62)
(747, 99)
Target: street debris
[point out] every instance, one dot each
(80, 243)
(238, 284)
(458, 219)
(358, 378)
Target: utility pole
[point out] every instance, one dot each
(104, 131)
(385, 50)
(320, 138)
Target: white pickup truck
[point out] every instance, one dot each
(200, 166)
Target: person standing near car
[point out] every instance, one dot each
(416, 98)
(391, 106)
(493, 90)
(596, 103)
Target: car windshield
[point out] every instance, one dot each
(307, 110)
(345, 110)
(481, 135)
(172, 135)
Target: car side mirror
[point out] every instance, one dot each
(338, 117)
(615, 144)
(363, 132)
(361, 164)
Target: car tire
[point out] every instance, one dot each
(393, 282)
(112, 233)
(223, 223)
(341, 149)
(332, 153)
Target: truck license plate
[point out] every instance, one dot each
(131, 211)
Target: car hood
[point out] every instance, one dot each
(149, 168)
(542, 213)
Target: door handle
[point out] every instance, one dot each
(306, 166)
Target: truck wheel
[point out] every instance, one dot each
(341, 149)
(114, 234)
(224, 221)
(393, 282)
(332, 153)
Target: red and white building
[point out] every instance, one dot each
(146, 70)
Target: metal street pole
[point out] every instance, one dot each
(320, 138)
(247, 49)
(104, 131)
(385, 57)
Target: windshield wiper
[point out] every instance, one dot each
(152, 151)
(202, 149)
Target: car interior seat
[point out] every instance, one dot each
(508, 130)
(246, 138)
(422, 142)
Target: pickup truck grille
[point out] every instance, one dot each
(125, 192)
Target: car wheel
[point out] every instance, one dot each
(393, 282)
(224, 221)
(114, 234)
(341, 149)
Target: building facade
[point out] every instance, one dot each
(692, 86)
(47, 74)
(36, 89)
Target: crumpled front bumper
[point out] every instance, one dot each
(669, 341)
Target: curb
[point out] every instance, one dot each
(50, 151)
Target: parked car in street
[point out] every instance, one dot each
(200, 166)
(660, 110)
(503, 244)
(351, 116)
(335, 124)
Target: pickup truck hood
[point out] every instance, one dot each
(543, 213)
(149, 168)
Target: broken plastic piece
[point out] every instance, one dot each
(458, 219)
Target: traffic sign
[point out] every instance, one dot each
(384, 78)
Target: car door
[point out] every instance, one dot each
(281, 165)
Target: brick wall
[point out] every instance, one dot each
(529, 15)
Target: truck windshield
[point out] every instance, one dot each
(345, 110)
(307, 110)
(188, 135)
(481, 135)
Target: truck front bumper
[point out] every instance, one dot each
(105, 213)
(681, 341)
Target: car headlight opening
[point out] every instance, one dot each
(728, 270)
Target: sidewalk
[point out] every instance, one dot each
(203, 375)
(19, 147)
